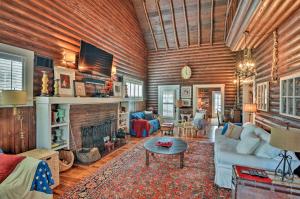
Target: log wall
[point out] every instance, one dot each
(52, 27)
(210, 65)
(289, 63)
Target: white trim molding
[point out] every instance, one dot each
(196, 86)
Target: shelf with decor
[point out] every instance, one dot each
(52, 125)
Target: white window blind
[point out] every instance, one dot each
(11, 72)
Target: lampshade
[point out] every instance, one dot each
(286, 139)
(13, 97)
(250, 108)
(179, 103)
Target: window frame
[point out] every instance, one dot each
(28, 69)
(262, 96)
(135, 84)
(23, 60)
(287, 96)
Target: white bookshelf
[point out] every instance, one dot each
(45, 128)
(123, 117)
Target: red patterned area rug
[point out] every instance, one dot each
(127, 176)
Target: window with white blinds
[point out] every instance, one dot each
(134, 88)
(11, 72)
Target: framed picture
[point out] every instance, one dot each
(186, 102)
(117, 89)
(66, 77)
(186, 92)
(79, 89)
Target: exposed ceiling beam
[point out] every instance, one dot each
(186, 24)
(229, 2)
(162, 23)
(174, 24)
(199, 22)
(150, 26)
(212, 22)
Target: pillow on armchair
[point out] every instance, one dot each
(1, 151)
(138, 115)
(149, 115)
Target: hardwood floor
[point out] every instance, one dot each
(78, 172)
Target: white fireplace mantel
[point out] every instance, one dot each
(77, 100)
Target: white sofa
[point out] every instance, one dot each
(225, 156)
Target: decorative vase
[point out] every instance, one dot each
(45, 80)
(61, 115)
(59, 134)
(56, 88)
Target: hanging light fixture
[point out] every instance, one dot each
(246, 64)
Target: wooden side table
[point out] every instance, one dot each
(167, 127)
(49, 156)
(247, 187)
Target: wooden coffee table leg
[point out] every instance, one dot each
(181, 159)
(147, 157)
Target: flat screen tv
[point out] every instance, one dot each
(94, 61)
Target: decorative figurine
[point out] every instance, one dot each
(61, 115)
(45, 80)
(56, 88)
(59, 134)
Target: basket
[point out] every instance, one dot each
(88, 156)
(66, 160)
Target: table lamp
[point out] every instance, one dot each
(287, 140)
(249, 108)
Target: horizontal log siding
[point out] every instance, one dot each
(210, 65)
(289, 63)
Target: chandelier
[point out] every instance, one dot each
(245, 62)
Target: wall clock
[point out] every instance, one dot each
(186, 72)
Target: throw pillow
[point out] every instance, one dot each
(199, 115)
(1, 151)
(248, 146)
(265, 150)
(233, 131)
(225, 127)
(149, 115)
(248, 131)
(8, 164)
(264, 135)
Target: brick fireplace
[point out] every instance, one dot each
(88, 115)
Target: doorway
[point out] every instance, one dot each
(216, 103)
(203, 98)
(167, 96)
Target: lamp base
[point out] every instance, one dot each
(285, 172)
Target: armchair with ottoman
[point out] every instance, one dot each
(247, 145)
(143, 124)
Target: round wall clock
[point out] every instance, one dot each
(186, 72)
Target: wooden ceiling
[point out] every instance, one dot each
(176, 24)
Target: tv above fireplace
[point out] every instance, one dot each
(94, 61)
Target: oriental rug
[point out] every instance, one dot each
(127, 176)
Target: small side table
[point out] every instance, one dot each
(248, 187)
(49, 156)
(167, 127)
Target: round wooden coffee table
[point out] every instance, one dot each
(179, 147)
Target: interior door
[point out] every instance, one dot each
(167, 96)
(216, 103)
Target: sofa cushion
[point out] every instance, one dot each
(262, 134)
(225, 127)
(248, 146)
(138, 115)
(233, 131)
(248, 131)
(149, 115)
(8, 164)
(265, 150)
